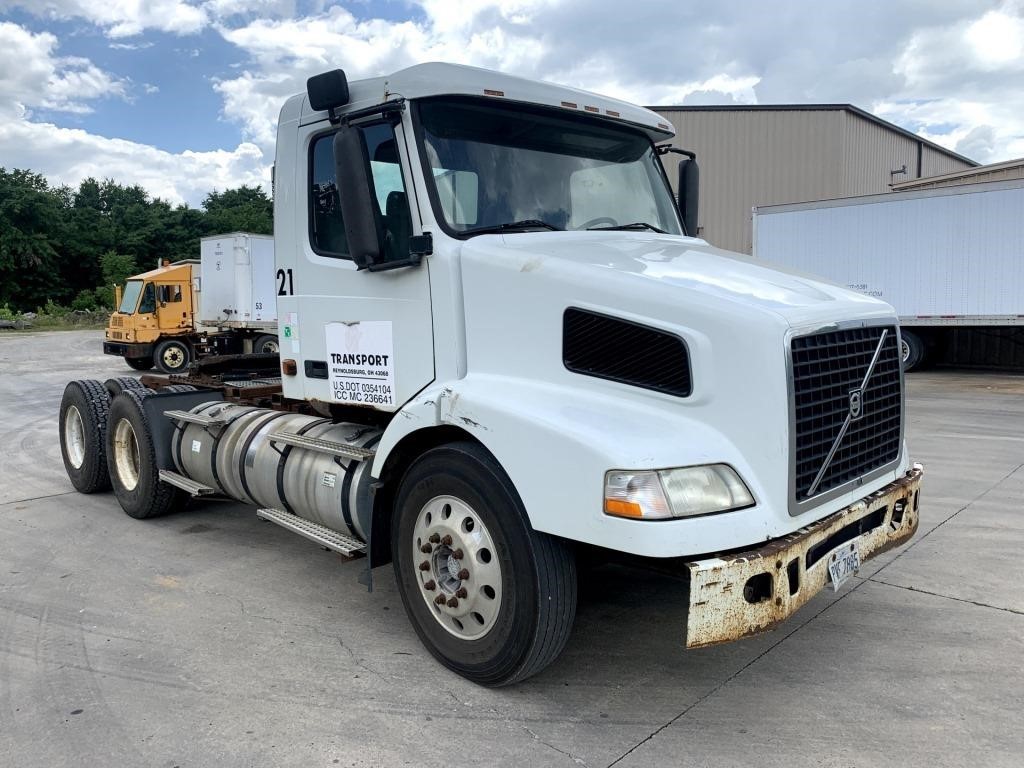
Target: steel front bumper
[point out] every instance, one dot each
(127, 349)
(745, 593)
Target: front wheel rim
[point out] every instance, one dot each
(456, 567)
(270, 348)
(904, 350)
(126, 455)
(173, 357)
(74, 437)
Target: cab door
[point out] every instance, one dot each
(172, 310)
(360, 338)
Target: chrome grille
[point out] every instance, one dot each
(847, 407)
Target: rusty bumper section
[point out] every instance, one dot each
(741, 594)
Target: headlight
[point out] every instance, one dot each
(668, 493)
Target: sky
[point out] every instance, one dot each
(182, 96)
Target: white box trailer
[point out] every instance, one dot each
(236, 288)
(945, 258)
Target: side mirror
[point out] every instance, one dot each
(357, 195)
(327, 91)
(689, 194)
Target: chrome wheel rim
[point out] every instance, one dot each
(74, 437)
(173, 357)
(456, 567)
(126, 455)
(904, 351)
(270, 347)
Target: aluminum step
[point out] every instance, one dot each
(325, 537)
(180, 481)
(196, 418)
(322, 446)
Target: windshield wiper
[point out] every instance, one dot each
(511, 226)
(634, 225)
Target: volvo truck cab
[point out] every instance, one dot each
(501, 345)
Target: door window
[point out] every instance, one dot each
(327, 229)
(148, 303)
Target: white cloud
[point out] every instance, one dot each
(947, 70)
(33, 76)
(130, 46)
(943, 71)
(120, 18)
(66, 156)
(960, 81)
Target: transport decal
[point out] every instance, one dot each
(361, 362)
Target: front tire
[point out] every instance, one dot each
(131, 457)
(509, 592)
(83, 428)
(172, 356)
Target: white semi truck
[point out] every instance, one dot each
(947, 259)
(499, 350)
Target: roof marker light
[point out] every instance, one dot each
(489, 92)
(612, 112)
(591, 109)
(570, 105)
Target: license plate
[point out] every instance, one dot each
(842, 564)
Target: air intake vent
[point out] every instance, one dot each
(619, 350)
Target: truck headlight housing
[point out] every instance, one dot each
(672, 493)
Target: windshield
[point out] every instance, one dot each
(130, 298)
(496, 165)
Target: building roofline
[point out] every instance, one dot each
(862, 113)
(966, 173)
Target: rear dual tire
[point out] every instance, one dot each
(513, 612)
(83, 429)
(267, 344)
(131, 456)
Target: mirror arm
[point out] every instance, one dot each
(664, 149)
(385, 109)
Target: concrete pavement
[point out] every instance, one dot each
(210, 638)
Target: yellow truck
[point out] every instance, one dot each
(222, 303)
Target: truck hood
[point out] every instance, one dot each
(691, 264)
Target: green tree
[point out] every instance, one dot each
(70, 245)
(29, 220)
(116, 268)
(243, 209)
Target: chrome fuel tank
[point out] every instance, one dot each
(237, 455)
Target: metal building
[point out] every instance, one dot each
(1008, 170)
(766, 155)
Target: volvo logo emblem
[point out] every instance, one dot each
(856, 402)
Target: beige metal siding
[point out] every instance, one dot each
(766, 156)
(935, 163)
(871, 153)
(756, 158)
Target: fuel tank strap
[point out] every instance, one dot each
(245, 451)
(284, 457)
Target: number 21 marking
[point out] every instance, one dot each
(285, 285)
